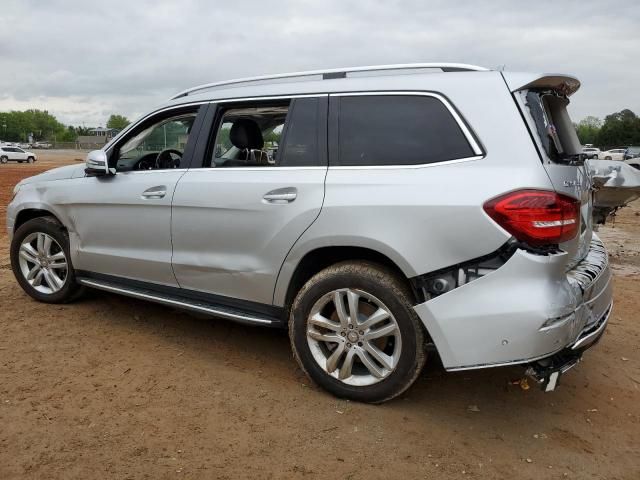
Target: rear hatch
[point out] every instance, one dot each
(543, 101)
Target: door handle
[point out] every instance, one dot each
(154, 192)
(281, 195)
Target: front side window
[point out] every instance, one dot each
(397, 130)
(157, 145)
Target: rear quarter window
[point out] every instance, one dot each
(397, 130)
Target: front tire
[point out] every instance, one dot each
(354, 332)
(31, 160)
(41, 262)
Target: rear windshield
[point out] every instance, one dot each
(547, 111)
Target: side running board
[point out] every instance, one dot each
(226, 312)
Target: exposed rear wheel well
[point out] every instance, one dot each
(29, 214)
(321, 258)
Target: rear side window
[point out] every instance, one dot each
(397, 130)
(301, 147)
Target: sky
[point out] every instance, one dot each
(83, 61)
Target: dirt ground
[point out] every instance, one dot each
(110, 387)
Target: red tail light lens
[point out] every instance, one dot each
(536, 217)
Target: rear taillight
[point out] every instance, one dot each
(536, 217)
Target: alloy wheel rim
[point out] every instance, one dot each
(43, 263)
(354, 337)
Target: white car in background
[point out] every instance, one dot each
(591, 152)
(16, 154)
(613, 154)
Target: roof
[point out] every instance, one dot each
(401, 77)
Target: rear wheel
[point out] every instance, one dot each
(607, 157)
(41, 262)
(354, 332)
(4, 159)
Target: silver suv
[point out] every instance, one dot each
(371, 211)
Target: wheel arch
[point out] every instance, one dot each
(292, 279)
(30, 213)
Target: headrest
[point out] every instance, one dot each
(245, 133)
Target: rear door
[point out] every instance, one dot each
(259, 186)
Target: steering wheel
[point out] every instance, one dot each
(165, 158)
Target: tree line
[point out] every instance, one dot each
(17, 126)
(617, 130)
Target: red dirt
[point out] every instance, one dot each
(110, 387)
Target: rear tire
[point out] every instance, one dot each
(607, 158)
(41, 261)
(4, 159)
(373, 359)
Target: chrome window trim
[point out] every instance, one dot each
(404, 167)
(456, 116)
(254, 169)
(129, 172)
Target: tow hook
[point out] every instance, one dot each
(547, 372)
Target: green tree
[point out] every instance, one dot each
(587, 130)
(117, 121)
(620, 129)
(16, 126)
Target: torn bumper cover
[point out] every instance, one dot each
(526, 311)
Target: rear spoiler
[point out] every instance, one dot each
(564, 84)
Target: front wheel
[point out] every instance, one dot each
(354, 332)
(41, 262)
(607, 158)
(31, 160)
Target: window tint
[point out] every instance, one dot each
(398, 130)
(301, 148)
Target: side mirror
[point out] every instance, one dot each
(97, 163)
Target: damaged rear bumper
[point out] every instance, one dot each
(526, 311)
(547, 371)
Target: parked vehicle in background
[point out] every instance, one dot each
(591, 152)
(16, 154)
(439, 205)
(613, 154)
(632, 157)
(42, 145)
(632, 152)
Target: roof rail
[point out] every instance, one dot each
(335, 73)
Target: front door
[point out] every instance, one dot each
(259, 186)
(122, 222)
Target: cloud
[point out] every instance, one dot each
(83, 61)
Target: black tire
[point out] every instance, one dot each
(70, 290)
(383, 284)
(607, 158)
(4, 159)
(31, 159)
